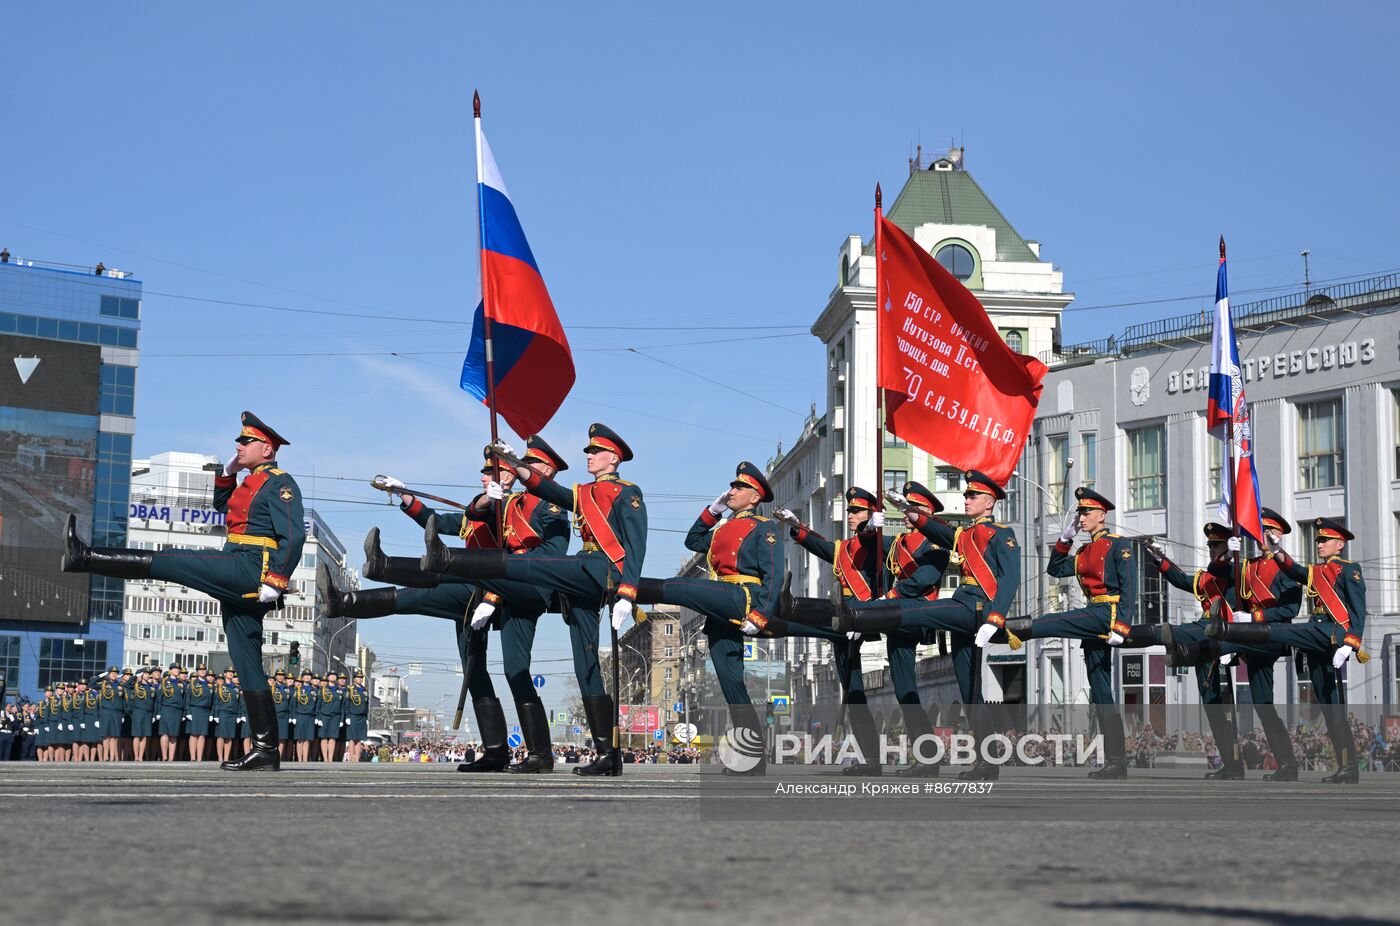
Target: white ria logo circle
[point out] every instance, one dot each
(741, 749)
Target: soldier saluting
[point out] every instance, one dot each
(248, 576)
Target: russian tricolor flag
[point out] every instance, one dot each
(533, 367)
(1227, 418)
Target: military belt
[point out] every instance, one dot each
(969, 580)
(248, 539)
(1105, 599)
(741, 580)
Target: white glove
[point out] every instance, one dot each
(1156, 552)
(232, 466)
(748, 628)
(267, 594)
(97, 725)
(877, 520)
(621, 610)
(391, 483)
(1071, 527)
(718, 506)
(985, 634)
(495, 491)
(1227, 659)
(1115, 638)
(1340, 657)
(787, 517)
(897, 499)
(318, 723)
(482, 615)
(853, 635)
(504, 448)
(1241, 617)
(1234, 545)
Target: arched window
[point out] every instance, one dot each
(1013, 341)
(957, 260)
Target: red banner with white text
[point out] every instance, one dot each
(953, 387)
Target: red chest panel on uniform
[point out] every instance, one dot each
(848, 564)
(477, 535)
(725, 544)
(594, 503)
(971, 544)
(1259, 575)
(520, 534)
(903, 560)
(236, 519)
(1089, 566)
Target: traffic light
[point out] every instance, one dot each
(294, 656)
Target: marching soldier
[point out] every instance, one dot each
(282, 704)
(170, 712)
(1107, 573)
(109, 716)
(747, 567)
(915, 566)
(227, 705)
(356, 716)
(856, 564)
(611, 519)
(1336, 591)
(991, 571)
(199, 710)
(1213, 588)
(248, 576)
(304, 714)
(533, 527)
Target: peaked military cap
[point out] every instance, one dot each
(359, 673)
(1275, 521)
(254, 429)
(492, 464)
(126, 671)
(602, 437)
(1088, 498)
(1216, 531)
(918, 494)
(858, 499)
(278, 672)
(113, 669)
(537, 449)
(1332, 529)
(748, 476)
(981, 482)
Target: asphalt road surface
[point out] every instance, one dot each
(423, 845)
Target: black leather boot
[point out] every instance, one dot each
(867, 740)
(917, 725)
(1144, 635)
(601, 718)
(1018, 627)
(1280, 743)
(882, 616)
(1192, 654)
(1222, 727)
(399, 570)
(117, 562)
(367, 602)
(534, 726)
(469, 564)
(649, 591)
(1343, 744)
(1115, 761)
(491, 720)
(262, 726)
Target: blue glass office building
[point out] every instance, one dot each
(69, 338)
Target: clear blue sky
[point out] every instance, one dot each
(693, 168)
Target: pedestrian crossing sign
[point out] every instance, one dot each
(781, 704)
(750, 651)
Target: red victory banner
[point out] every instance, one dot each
(953, 387)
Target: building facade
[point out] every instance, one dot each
(70, 339)
(1322, 375)
(172, 506)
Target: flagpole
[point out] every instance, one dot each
(1234, 518)
(480, 243)
(879, 405)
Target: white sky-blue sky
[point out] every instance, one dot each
(672, 168)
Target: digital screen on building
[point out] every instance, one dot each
(48, 464)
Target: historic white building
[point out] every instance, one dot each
(172, 506)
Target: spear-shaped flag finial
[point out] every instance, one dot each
(476, 105)
(878, 196)
(1222, 247)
